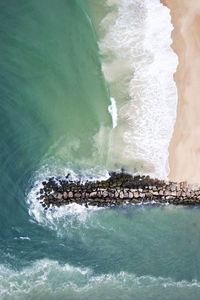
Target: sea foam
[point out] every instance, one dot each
(138, 63)
(47, 279)
(64, 218)
(113, 111)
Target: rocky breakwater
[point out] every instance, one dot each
(118, 189)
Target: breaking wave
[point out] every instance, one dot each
(47, 279)
(138, 63)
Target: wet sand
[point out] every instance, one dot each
(184, 149)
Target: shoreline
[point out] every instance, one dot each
(184, 148)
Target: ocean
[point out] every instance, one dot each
(86, 87)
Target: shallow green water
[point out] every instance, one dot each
(54, 118)
(53, 96)
(124, 253)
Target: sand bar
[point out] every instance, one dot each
(184, 150)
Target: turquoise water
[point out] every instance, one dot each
(54, 120)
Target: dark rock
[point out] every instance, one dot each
(118, 189)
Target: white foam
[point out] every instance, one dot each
(64, 218)
(48, 278)
(139, 65)
(113, 111)
(23, 238)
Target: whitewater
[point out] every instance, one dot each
(138, 63)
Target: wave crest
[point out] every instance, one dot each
(139, 64)
(46, 278)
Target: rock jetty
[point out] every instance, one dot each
(119, 189)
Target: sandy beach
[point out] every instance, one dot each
(184, 150)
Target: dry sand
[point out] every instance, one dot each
(184, 150)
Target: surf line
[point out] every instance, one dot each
(112, 108)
